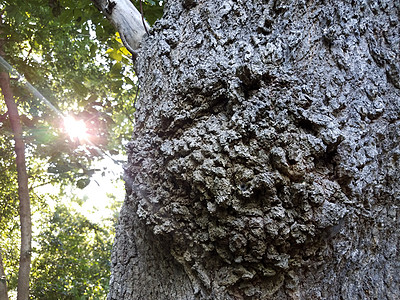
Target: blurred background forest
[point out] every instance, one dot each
(72, 55)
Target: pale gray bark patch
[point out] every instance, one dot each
(265, 158)
(126, 19)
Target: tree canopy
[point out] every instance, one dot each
(72, 55)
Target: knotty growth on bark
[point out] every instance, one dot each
(264, 161)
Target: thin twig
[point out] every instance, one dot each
(144, 23)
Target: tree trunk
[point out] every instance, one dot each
(23, 190)
(265, 157)
(3, 280)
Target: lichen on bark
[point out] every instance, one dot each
(264, 161)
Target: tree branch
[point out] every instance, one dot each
(126, 19)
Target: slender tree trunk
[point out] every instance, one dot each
(23, 190)
(3, 280)
(265, 157)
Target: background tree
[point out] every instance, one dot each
(23, 189)
(8, 208)
(265, 155)
(62, 48)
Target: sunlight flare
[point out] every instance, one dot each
(76, 129)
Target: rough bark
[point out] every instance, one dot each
(23, 190)
(265, 157)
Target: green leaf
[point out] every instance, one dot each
(82, 183)
(115, 54)
(66, 16)
(93, 50)
(116, 70)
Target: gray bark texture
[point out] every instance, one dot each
(265, 160)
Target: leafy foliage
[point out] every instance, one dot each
(72, 55)
(65, 48)
(71, 258)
